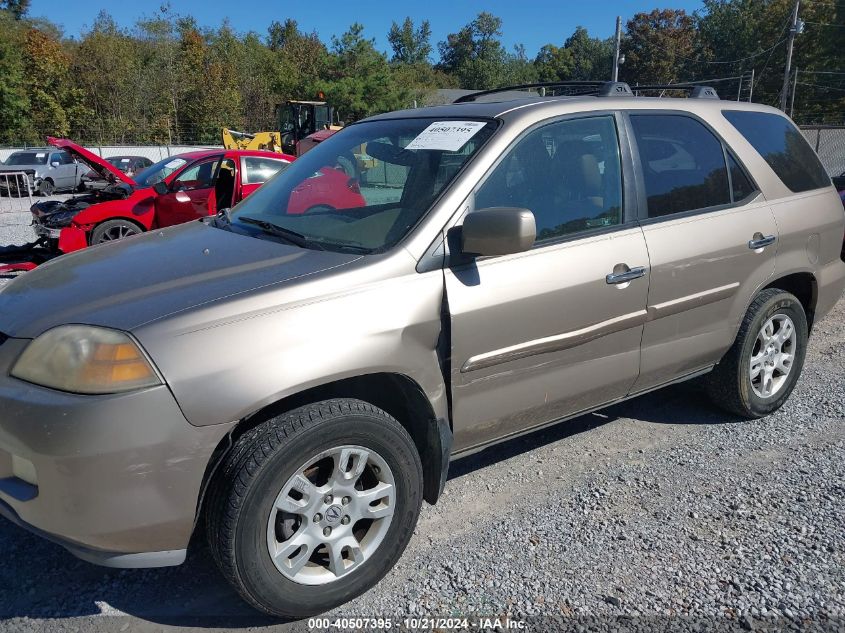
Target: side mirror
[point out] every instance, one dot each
(498, 231)
(55, 163)
(160, 187)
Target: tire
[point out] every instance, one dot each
(733, 385)
(259, 477)
(112, 230)
(46, 188)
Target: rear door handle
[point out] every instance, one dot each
(759, 241)
(624, 276)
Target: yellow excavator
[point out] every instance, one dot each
(302, 124)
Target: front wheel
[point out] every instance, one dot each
(112, 230)
(759, 372)
(46, 188)
(312, 508)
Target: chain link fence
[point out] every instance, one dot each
(829, 143)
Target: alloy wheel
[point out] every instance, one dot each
(331, 515)
(772, 356)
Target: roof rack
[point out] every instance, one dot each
(695, 91)
(569, 88)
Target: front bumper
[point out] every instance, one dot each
(118, 477)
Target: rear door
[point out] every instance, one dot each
(711, 238)
(189, 192)
(255, 170)
(540, 335)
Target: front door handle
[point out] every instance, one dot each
(622, 274)
(761, 241)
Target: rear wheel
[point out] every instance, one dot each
(112, 230)
(312, 508)
(759, 372)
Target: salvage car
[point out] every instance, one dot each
(49, 169)
(174, 190)
(129, 165)
(299, 382)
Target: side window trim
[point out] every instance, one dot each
(629, 198)
(638, 175)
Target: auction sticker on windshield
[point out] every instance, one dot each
(448, 136)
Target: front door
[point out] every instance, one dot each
(711, 237)
(540, 335)
(187, 198)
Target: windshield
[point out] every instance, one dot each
(365, 187)
(27, 158)
(158, 171)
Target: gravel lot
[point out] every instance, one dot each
(658, 514)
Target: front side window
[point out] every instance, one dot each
(159, 171)
(198, 176)
(364, 188)
(258, 169)
(568, 174)
(783, 147)
(683, 164)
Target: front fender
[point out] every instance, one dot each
(224, 362)
(139, 208)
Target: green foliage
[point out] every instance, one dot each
(659, 47)
(16, 8)
(167, 79)
(410, 45)
(359, 81)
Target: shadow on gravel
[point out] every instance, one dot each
(41, 580)
(678, 404)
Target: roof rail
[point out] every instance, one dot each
(573, 88)
(695, 91)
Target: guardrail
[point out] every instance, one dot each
(15, 191)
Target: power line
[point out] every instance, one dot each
(701, 61)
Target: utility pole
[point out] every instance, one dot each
(617, 49)
(788, 70)
(792, 96)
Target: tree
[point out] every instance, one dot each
(660, 47)
(16, 8)
(410, 45)
(360, 81)
(475, 54)
(554, 63)
(14, 103)
(592, 57)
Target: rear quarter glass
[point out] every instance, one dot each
(783, 147)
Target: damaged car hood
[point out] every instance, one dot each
(128, 283)
(95, 163)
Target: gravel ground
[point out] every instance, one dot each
(661, 513)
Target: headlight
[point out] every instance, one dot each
(85, 359)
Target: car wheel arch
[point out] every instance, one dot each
(804, 286)
(397, 394)
(136, 223)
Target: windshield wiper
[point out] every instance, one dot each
(292, 237)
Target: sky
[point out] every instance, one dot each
(529, 22)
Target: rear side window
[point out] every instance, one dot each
(683, 164)
(783, 147)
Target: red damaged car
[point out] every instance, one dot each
(176, 190)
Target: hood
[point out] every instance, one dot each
(97, 164)
(131, 282)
